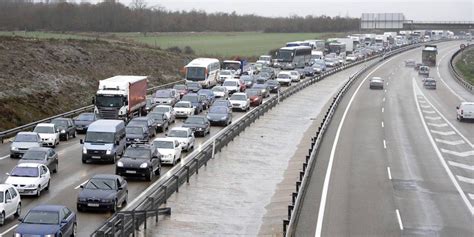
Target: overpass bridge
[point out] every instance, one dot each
(438, 25)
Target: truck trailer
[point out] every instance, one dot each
(428, 55)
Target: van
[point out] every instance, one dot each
(104, 141)
(465, 111)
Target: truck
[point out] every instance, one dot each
(237, 65)
(428, 55)
(380, 40)
(349, 42)
(121, 97)
(369, 39)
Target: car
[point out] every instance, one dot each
(193, 86)
(48, 220)
(24, 141)
(274, 86)
(219, 115)
(166, 97)
(83, 121)
(199, 124)
(42, 155)
(161, 121)
(264, 88)
(205, 101)
(309, 71)
(465, 111)
(223, 103)
(195, 100)
(182, 89)
(29, 178)
(255, 96)
(184, 109)
(295, 76)
(66, 127)
(248, 80)
(209, 94)
(48, 133)
(429, 83)
(417, 66)
(184, 136)
(103, 192)
(136, 134)
(376, 83)
(168, 111)
(140, 160)
(150, 105)
(146, 122)
(331, 62)
(240, 101)
(232, 85)
(270, 71)
(226, 74)
(351, 58)
(284, 78)
(410, 63)
(10, 203)
(169, 149)
(220, 92)
(263, 76)
(318, 68)
(424, 70)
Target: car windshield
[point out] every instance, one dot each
(196, 73)
(25, 172)
(163, 94)
(283, 76)
(225, 73)
(221, 102)
(100, 137)
(218, 88)
(136, 122)
(205, 92)
(252, 92)
(26, 138)
(177, 133)
(218, 110)
(194, 120)
(183, 105)
(42, 218)
(272, 82)
(259, 86)
(238, 97)
(193, 85)
(100, 183)
(34, 155)
(294, 73)
(180, 87)
(148, 102)
(161, 109)
(59, 122)
(230, 83)
(44, 129)
(164, 144)
(134, 130)
(156, 116)
(138, 153)
(191, 98)
(86, 117)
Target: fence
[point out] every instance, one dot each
(458, 76)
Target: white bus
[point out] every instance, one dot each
(289, 58)
(203, 70)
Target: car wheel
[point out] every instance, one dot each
(84, 161)
(125, 200)
(158, 171)
(38, 191)
(47, 187)
(174, 161)
(149, 176)
(114, 207)
(74, 134)
(67, 136)
(74, 230)
(2, 218)
(18, 210)
(55, 170)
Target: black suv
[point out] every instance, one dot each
(66, 128)
(139, 160)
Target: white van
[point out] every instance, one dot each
(203, 70)
(465, 111)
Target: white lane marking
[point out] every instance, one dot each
(463, 166)
(438, 153)
(389, 173)
(327, 178)
(429, 112)
(384, 144)
(385, 91)
(422, 101)
(78, 186)
(4, 157)
(438, 125)
(465, 179)
(399, 218)
(471, 196)
(10, 229)
(387, 85)
(425, 106)
(461, 154)
(452, 143)
(443, 133)
(383, 99)
(433, 118)
(446, 84)
(383, 109)
(382, 125)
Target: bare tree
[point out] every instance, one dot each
(138, 4)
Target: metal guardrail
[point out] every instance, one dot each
(12, 132)
(458, 76)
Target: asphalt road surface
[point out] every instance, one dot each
(395, 162)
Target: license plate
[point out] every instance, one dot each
(92, 204)
(20, 190)
(130, 171)
(95, 157)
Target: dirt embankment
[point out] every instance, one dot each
(40, 78)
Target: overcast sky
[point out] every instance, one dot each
(420, 10)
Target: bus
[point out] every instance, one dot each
(289, 58)
(428, 55)
(203, 70)
(337, 48)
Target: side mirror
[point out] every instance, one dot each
(117, 143)
(81, 186)
(457, 107)
(81, 141)
(120, 188)
(93, 100)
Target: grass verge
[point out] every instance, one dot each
(465, 65)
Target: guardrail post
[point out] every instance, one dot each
(213, 148)
(197, 165)
(166, 192)
(177, 182)
(293, 197)
(285, 225)
(145, 221)
(134, 224)
(187, 174)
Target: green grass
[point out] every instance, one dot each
(465, 65)
(223, 44)
(43, 35)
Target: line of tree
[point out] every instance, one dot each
(112, 16)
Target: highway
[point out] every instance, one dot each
(395, 162)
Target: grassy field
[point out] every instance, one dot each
(43, 35)
(466, 65)
(224, 44)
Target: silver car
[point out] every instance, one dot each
(24, 141)
(376, 83)
(42, 155)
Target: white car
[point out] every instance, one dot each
(185, 136)
(284, 78)
(220, 92)
(232, 85)
(10, 202)
(295, 76)
(351, 58)
(226, 74)
(168, 111)
(48, 133)
(465, 111)
(183, 109)
(169, 148)
(240, 101)
(30, 178)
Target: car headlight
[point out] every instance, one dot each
(50, 235)
(119, 164)
(199, 129)
(144, 165)
(82, 199)
(30, 185)
(14, 148)
(84, 150)
(106, 200)
(63, 131)
(224, 117)
(17, 235)
(208, 117)
(108, 152)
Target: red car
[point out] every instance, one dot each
(182, 89)
(242, 85)
(255, 96)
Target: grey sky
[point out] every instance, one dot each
(421, 10)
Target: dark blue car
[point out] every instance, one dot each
(209, 93)
(48, 220)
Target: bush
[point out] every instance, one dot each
(174, 50)
(188, 50)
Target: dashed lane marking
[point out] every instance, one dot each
(382, 125)
(465, 179)
(384, 144)
(459, 165)
(433, 117)
(452, 143)
(389, 173)
(4, 157)
(429, 112)
(383, 109)
(471, 196)
(425, 106)
(456, 153)
(443, 133)
(399, 218)
(438, 125)
(10, 229)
